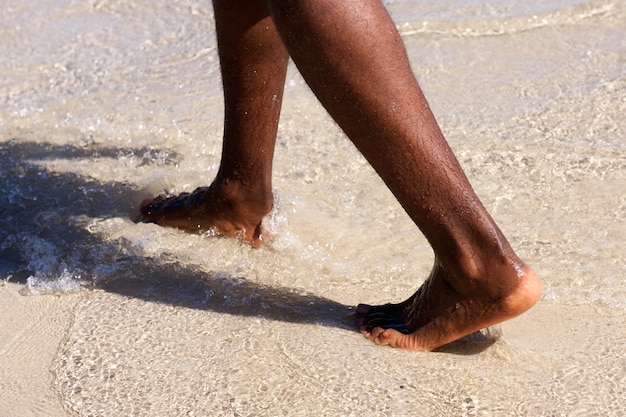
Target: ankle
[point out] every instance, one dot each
(254, 198)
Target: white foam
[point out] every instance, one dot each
(65, 283)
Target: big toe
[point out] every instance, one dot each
(143, 207)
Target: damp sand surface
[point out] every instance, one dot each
(106, 103)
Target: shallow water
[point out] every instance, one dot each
(108, 102)
(499, 13)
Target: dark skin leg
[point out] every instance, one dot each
(365, 82)
(253, 64)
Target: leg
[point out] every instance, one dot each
(366, 84)
(253, 63)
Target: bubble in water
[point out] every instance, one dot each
(67, 282)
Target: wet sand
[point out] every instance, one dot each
(151, 358)
(33, 329)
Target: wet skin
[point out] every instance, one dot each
(477, 280)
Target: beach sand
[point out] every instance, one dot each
(159, 359)
(110, 102)
(32, 332)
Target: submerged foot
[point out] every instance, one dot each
(441, 311)
(185, 211)
(226, 210)
(386, 316)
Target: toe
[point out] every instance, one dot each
(386, 337)
(144, 207)
(384, 321)
(362, 309)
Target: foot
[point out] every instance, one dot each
(442, 311)
(225, 207)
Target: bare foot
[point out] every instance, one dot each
(227, 209)
(442, 311)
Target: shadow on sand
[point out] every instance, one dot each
(42, 207)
